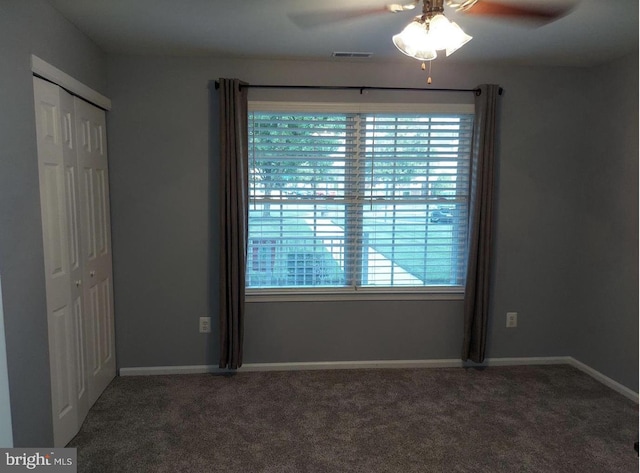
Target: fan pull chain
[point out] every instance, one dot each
(424, 67)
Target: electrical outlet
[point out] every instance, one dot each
(512, 319)
(205, 324)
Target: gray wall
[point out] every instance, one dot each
(164, 190)
(30, 27)
(605, 334)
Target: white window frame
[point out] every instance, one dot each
(258, 295)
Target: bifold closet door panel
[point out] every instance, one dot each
(96, 246)
(76, 263)
(55, 149)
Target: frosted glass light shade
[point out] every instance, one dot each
(439, 31)
(414, 41)
(458, 39)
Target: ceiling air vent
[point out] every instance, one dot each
(351, 55)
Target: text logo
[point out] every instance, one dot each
(51, 460)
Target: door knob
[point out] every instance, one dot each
(92, 273)
(78, 283)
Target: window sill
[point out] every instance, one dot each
(349, 294)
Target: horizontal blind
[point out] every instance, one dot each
(348, 199)
(297, 179)
(414, 222)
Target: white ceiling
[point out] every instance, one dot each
(593, 32)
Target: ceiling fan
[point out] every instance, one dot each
(431, 31)
(529, 11)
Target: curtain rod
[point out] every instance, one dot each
(347, 87)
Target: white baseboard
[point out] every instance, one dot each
(161, 370)
(532, 360)
(349, 365)
(443, 363)
(353, 365)
(616, 386)
(299, 366)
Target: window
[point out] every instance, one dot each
(357, 201)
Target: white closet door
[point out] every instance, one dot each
(54, 144)
(74, 197)
(96, 246)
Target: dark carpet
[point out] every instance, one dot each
(500, 419)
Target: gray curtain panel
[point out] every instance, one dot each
(234, 199)
(476, 294)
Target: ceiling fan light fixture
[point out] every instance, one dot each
(429, 33)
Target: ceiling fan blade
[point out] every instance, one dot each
(314, 19)
(544, 14)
